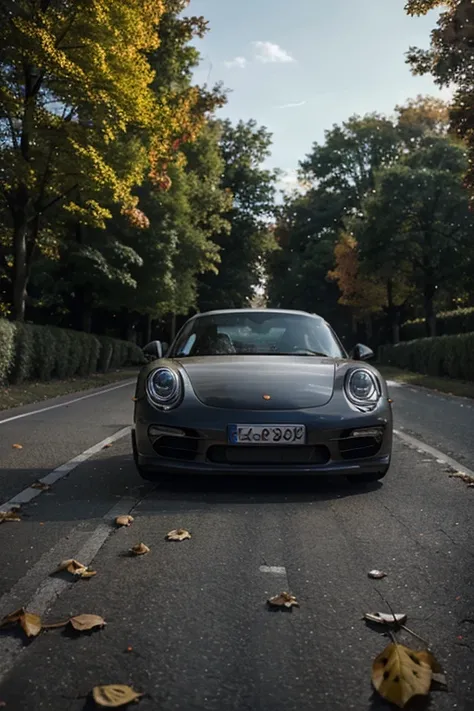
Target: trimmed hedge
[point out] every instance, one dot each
(451, 356)
(447, 323)
(30, 352)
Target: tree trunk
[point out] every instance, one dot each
(20, 270)
(430, 316)
(393, 313)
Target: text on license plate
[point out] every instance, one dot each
(267, 434)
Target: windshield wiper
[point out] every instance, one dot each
(307, 351)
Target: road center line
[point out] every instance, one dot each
(436, 453)
(63, 404)
(28, 494)
(50, 589)
(275, 569)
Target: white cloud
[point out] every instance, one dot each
(267, 52)
(237, 62)
(291, 106)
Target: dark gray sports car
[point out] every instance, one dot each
(260, 391)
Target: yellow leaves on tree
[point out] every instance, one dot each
(365, 294)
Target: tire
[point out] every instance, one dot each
(365, 478)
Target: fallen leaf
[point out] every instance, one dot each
(125, 520)
(438, 674)
(377, 574)
(82, 623)
(135, 399)
(179, 534)
(40, 485)
(398, 674)
(107, 445)
(114, 695)
(29, 622)
(284, 599)
(17, 446)
(139, 549)
(384, 618)
(462, 475)
(75, 568)
(9, 516)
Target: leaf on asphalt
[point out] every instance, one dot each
(398, 674)
(114, 695)
(83, 623)
(125, 520)
(438, 674)
(179, 534)
(139, 549)
(284, 599)
(107, 445)
(462, 475)
(75, 568)
(384, 618)
(40, 485)
(29, 622)
(9, 516)
(377, 574)
(17, 446)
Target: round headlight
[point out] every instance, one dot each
(362, 386)
(164, 387)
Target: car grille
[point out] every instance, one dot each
(358, 447)
(183, 448)
(267, 455)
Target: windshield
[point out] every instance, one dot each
(260, 333)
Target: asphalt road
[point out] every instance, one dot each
(187, 624)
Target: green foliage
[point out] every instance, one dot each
(451, 356)
(447, 323)
(7, 346)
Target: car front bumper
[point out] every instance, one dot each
(195, 441)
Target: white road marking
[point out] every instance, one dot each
(47, 592)
(440, 457)
(275, 569)
(63, 404)
(28, 494)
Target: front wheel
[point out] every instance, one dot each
(365, 478)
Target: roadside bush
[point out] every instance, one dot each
(447, 323)
(7, 348)
(450, 356)
(44, 352)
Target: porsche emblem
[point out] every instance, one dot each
(267, 397)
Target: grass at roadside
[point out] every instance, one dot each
(443, 385)
(30, 392)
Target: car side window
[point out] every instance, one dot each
(186, 348)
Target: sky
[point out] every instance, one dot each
(300, 66)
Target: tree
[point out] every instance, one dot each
(80, 119)
(450, 61)
(242, 252)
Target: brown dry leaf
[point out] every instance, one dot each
(398, 674)
(114, 695)
(438, 674)
(377, 574)
(40, 485)
(385, 618)
(462, 475)
(107, 445)
(125, 520)
(17, 446)
(284, 599)
(139, 549)
(75, 568)
(179, 534)
(83, 623)
(29, 622)
(9, 516)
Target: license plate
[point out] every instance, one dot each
(267, 434)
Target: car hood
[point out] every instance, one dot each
(240, 382)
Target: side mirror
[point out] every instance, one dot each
(361, 352)
(154, 350)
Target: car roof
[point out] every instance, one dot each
(219, 312)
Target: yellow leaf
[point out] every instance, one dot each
(139, 549)
(438, 674)
(6, 516)
(179, 534)
(17, 446)
(399, 673)
(284, 599)
(82, 623)
(114, 695)
(75, 568)
(124, 520)
(40, 485)
(29, 622)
